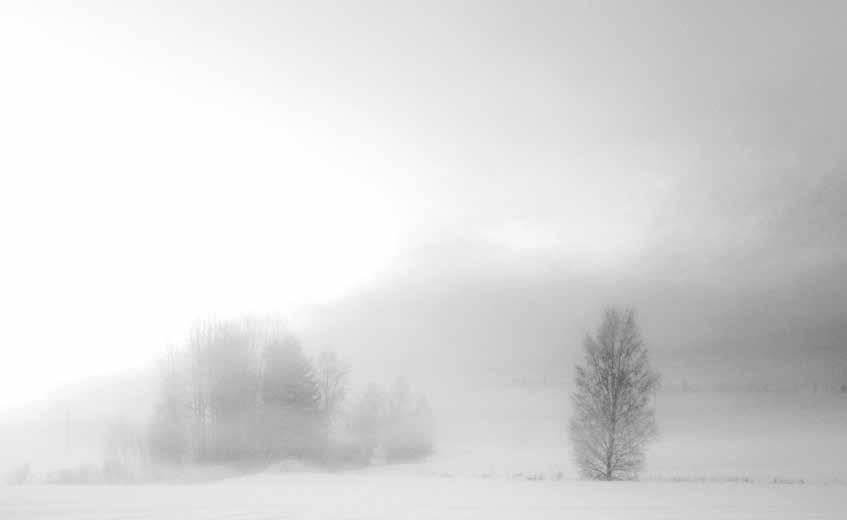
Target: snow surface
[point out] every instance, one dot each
(395, 495)
(712, 445)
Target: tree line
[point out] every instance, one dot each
(245, 392)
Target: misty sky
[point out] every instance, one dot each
(473, 176)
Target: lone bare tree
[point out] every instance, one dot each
(613, 419)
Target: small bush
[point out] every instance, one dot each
(406, 448)
(784, 480)
(345, 454)
(82, 474)
(18, 475)
(114, 471)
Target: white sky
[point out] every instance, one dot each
(171, 161)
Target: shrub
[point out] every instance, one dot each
(18, 475)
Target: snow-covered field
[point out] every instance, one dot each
(380, 495)
(717, 457)
(706, 435)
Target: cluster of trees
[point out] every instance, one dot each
(245, 392)
(395, 425)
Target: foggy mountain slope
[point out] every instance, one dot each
(497, 324)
